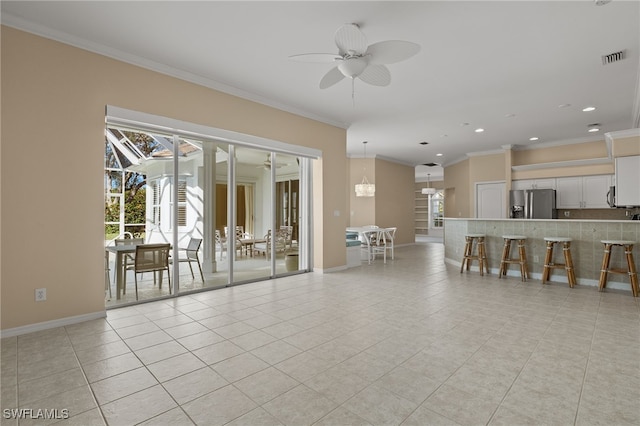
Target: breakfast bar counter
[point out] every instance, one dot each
(586, 247)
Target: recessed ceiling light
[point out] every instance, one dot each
(439, 155)
(424, 143)
(589, 109)
(564, 106)
(479, 130)
(594, 128)
(533, 139)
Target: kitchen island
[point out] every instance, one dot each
(586, 248)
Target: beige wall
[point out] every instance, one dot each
(457, 190)
(393, 204)
(487, 168)
(625, 147)
(396, 199)
(362, 209)
(53, 105)
(579, 151)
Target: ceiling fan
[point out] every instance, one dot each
(267, 164)
(356, 59)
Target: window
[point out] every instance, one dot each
(154, 187)
(182, 202)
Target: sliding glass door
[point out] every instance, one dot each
(232, 213)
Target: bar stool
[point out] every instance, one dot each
(507, 259)
(631, 267)
(480, 256)
(568, 262)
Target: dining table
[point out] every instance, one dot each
(121, 274)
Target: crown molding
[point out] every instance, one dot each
(562, 164)
(558, 143)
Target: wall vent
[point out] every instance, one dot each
(430, 164)
(614, 57)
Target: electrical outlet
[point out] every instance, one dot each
(567, 213)
(41, 294)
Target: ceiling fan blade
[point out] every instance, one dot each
(350, 39)
(377, 75)
(391, 51)
(332, 77)
(315, 57)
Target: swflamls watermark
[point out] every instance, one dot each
(36, 413)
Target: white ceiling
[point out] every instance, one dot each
(480, 62)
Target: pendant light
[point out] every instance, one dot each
(428, 190)
(365, 189)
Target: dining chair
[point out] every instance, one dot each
(379, 244)
(152, 258)
(374, 243)
(389, 235)
(191, 256)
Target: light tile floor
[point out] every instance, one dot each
(412, 342)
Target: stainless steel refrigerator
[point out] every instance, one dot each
(533, 204)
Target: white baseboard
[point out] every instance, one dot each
(334, 269)
(61, 322)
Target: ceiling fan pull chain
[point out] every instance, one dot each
(353, 93)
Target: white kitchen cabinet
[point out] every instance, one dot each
(582, 192)
(628, 181)
(534, 184)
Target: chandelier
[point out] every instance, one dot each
(365, 189)
(428, 190)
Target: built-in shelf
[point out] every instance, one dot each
(421, 209)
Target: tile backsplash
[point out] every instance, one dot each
(597, 214)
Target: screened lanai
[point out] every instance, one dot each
(249, 233)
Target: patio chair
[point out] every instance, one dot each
(152, 258)
(265, 247)
(238, 237)
(191, 256)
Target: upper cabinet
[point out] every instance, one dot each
(534, 184)
(583, 192)
(628, 181)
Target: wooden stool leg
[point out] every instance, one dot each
(505, 255)
(633, 274)
(524, 272)
(466, 254)
(605, 267)
(482, 257)
(546, 271)
(470, 253)
(568, 264)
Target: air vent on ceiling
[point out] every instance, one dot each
(430, 164)
(614, 57)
